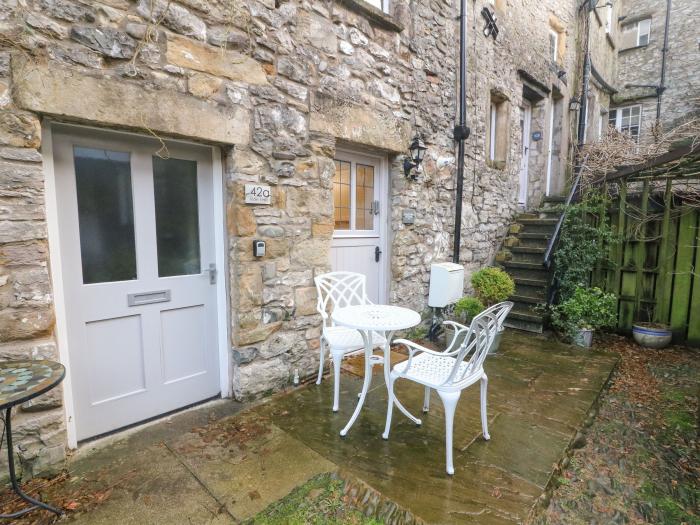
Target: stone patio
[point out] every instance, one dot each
(226, 462)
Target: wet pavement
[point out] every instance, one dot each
(224, 463)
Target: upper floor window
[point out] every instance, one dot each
(627, 120)
(636, 34)
(553, 45)
(379, 4)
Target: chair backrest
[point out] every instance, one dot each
(477, 342)
(339, 289)
(501, 311)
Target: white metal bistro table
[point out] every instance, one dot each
(381, 318)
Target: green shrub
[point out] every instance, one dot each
(492, 285)
(587, 308)
(468, 307)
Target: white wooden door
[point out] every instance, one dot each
(360, 203)
(137, 240)
(525, 121)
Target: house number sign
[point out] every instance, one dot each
(257, 194)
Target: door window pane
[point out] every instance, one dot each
(364, 196)
(341, 195)
(177, 216)
(105, 215)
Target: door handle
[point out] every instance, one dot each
(212, 273)
(377, 253)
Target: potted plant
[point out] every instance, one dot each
(652, 335)
(587, 310)
(491, 286)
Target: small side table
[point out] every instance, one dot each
(21, 381)
(385, 319)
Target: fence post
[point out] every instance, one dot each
(664, 261)
(622, 234)
(640, 250)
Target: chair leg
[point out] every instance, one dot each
(449, 400)
(426, 400)
(484, 415)
(337, 361)
(390, 408)
(320, 362)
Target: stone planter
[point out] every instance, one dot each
(584, 338)
(651, 335)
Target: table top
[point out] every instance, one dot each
(23, 380)
(379, 317)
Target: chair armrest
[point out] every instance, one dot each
(458, 328)
(455, 325)
(413, 349)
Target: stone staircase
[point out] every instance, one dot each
(522, 256)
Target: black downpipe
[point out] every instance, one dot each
(461, 131)
(581, 136)
(664, 52)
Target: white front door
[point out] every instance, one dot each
(359, 237)
(525, 120)
(137, 241)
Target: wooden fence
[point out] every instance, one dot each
(655, 268)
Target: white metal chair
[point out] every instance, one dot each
(337, 290)
(451, 371)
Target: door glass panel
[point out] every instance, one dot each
(177, 216)
(105, 215)
(364, 195)
(341, 195)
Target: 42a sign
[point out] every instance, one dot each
(257, 194)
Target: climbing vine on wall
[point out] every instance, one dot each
(586, 233)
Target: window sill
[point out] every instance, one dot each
(496, 164)
(633, 47)
(374, 15)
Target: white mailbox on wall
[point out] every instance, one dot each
(446, 284)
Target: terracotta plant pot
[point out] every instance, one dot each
(584, 338)
(651, 335)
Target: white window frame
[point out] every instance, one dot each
(618, 119)
(555, 52)
(354, 160)
(608, 18)
(639, 31)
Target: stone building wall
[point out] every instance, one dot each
(642, 65)
(277, 85)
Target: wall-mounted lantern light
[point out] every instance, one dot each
(575, 103)
(416, 153)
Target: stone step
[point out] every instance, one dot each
(537, 225)
(532, 254)
(525, 320)
(533, 240)
(526, 270)
(554, 199)
(525, 300)
(531, 288)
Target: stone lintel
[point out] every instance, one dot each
(359, 125)
(50, 89)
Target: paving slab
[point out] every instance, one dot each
(540, 393)
(225, 462)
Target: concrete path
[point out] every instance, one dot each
(224, 463)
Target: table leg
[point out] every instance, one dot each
(387, 371)
(36, 504)
(365, 385)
